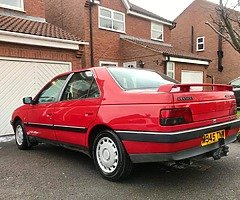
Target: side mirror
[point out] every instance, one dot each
(27, 100)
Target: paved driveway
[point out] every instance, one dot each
(48, 172)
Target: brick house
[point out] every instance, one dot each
(124, 34)
(193, 35)
(31, 53)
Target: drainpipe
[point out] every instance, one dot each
(91, 3)
(192, 40)
(220, 44)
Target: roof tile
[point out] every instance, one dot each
(165, 49)
(25, 26)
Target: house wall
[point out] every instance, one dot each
(155, 60)
(41, 53)
(35, 8)
(106, 43)
(199, 12)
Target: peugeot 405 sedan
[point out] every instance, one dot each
(120, 116)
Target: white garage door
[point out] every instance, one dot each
(23, 78)
(192, 77)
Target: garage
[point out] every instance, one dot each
(191, 76)
(22, 78)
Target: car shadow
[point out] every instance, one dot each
(151, 173)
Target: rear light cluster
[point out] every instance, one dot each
(176, 116)
(233, 110)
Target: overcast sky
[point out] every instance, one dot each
(168, 9)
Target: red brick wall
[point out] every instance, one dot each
(34, 8)
(42, 53)
(106, 43)
(132, 52)
(196, 15)
(155, 60)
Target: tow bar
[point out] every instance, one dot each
(222, 151)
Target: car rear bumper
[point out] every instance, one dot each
(157, 146)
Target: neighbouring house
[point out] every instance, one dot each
(123, 34)
(31, 53)
(193, 35)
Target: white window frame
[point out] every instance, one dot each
(133, 63)
(108, 63)
(13, 7)
(160, 31)
(112, 19)
(170, 70)
(198, 43)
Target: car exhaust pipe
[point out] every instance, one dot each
(222, 151)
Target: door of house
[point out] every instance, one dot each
(130, 64)
(22, 78)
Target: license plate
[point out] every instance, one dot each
(210, 138)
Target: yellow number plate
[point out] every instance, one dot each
(210, 138)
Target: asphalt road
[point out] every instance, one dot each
(48, 172)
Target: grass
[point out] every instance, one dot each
(238, 114)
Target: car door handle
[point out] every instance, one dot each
(88, 114)
(49, 115)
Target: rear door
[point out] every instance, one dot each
(77, 109)
(40, 115)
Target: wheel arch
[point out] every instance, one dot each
(17, 118)
(93, 134)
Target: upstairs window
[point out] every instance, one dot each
(157, 31)
(111, 20)
(13, 4)
(200, 44)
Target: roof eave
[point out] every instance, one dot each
(149, 18)
(187, 59)
(34, 40)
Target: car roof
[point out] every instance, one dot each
(96, 68)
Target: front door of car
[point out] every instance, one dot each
(77, 109)
(40, 114)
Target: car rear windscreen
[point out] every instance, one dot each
(137, 79)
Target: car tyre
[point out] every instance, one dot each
(21, 136)
(110, 157)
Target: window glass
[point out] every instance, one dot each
(118, 26)
(52, 91)
(157, 31)
(157, 35)
(13, 3)
(131, 79)
(82, 85)
(105, 13)
(107, 23)
(171, 69)
(200, 44)
(118, 16)
(111, 20)
(107, 64)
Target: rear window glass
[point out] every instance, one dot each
(134, 79)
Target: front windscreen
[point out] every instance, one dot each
(136, 79)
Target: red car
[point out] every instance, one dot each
(121, 116)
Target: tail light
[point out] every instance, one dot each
(176, 116)
(233, 110)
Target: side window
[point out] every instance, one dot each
(82, 85)
(52, 90)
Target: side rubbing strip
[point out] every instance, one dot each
(58, 127)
